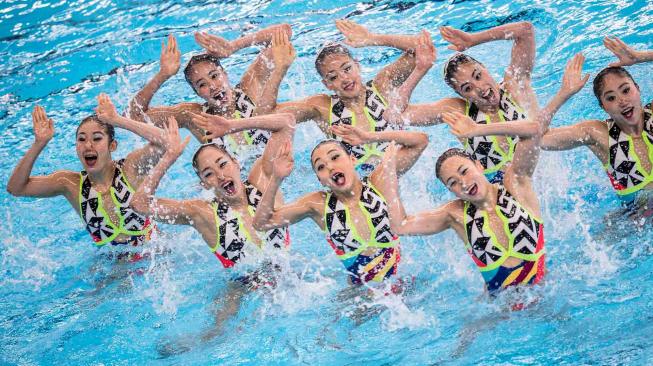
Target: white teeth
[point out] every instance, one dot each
(487, 93)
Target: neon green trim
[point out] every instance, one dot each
(214, 206)
(632, 153)
(112, 193)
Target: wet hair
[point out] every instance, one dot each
(216, 146)
(448, 154)
(204, 57)
(452, 65)
(108, 129)
(329, 141)
(330, 49)
(599, 80)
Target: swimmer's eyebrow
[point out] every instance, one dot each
(198, 80)
(467, 82)
(328, 152)
(460, 168)
(612, 91)
(620, 86)
(341, 66)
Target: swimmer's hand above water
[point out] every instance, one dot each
(626, 54)
(214, 45)
(43, 126)
(170, 58)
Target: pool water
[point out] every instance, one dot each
(62, 303)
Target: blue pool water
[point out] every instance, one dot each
(58, 306)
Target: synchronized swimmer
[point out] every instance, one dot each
(496, 212)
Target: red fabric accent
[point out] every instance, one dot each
(541, 270)
(338, 252)
(615, 183)
(476, 260)
(225, 262)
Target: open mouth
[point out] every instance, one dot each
(90, 159)
(349, 86)
(627, 112)
(220, 97)
(338, 179)
(488, 94)
(229, 187)
(472, 190)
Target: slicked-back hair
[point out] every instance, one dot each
(454, 151)
(204, 57)
(329, 141)
(330, 49)
(108, 129)
(599, 80)
(196, 167)
(452, 65)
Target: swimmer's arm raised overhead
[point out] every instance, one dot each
(385, 178)
(626, 54)
(283, 54)
(21, 183)
(171, 211)
(523, 50)
(169, 66)
(270, 217)
(413, 143)
(398, 100)
(222, 48)
(314, 108)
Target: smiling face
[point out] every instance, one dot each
(219, 172)
(94, 145)
(472, 81)
(464, 178)
(620, 98)
(341, 74)
(211, 83)
(335, 169)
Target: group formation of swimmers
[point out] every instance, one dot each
(502, 128)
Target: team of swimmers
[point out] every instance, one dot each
(502, 129)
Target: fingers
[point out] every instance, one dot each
(172, 124)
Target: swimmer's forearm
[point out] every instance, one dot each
(268, 99)
(140, 103)
(265, 210)
(270, 122)
(402, 42)
(521, 128)
(147, 131)
(512, 31)
(644, 56)
(145, 192)
(21, 175)
(262, 37)
(408, 139)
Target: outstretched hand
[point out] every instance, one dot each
(105, 110)
(173, 144)
(350, 134)
(626, 54)
(425, 53)
(355, 34)
(215, 126)
(283, 53)
(460, 125)
(214, 45)
(573, 80)
(283, 163)
(459, 40)
(170, 57)
(43, 126)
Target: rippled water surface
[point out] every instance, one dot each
(58, 304)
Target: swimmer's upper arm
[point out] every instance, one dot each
(314, 108)
(585, 133)
(310, 205)
(62, 182)
(522, 57)
(431, 221)
(176, 212)
(393, 75)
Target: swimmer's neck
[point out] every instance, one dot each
(351, 196)
(357, 100)
(103, 179)
(634, 130)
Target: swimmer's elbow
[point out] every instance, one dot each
(422, 140)
(288, 120)
(527, 29)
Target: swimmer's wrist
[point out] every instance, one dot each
(644, 56)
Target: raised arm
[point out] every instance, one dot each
(283, 54)
(21, 183)
(626, 54)
(268, 217)
(313, 108)
(394, 74)
(222, 48)
(427, 114)
(171, 211)
(169, 65)
(523, 50)
(399, 98)
(413, 143)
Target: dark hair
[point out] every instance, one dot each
(329, 141)
(330, 49)
(216, 146)
(452, 65)
(446, 155)
(107, 127)
(599, 83)
(204, 57)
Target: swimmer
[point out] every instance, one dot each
(500, 223)
(226, 222)
(357, 215)
(623, 142)
(481, 97)
(255, 94)
(363, 105)
(101, 193)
